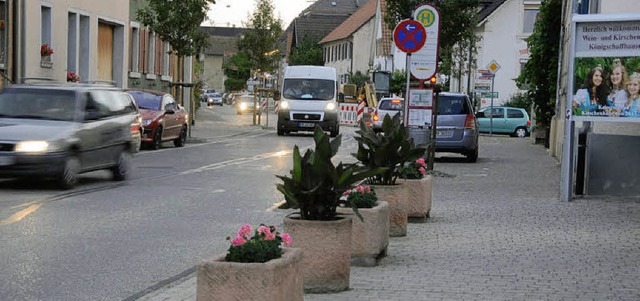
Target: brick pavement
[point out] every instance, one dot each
(498, 232)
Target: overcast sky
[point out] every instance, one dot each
(226, 13)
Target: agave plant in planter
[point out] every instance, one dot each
(315, 187)
(316, 184)
(389, 149)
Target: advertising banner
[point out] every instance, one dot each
(606, 71)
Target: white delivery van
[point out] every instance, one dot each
(309, 98)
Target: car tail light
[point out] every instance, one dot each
(470, 122)
(375, 116)
(528, 122)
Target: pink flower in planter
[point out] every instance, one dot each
(286, 239)
(346, 193)
(266, 231)
(422, 170)
(420, 161)
(238, 241)
(260, 245)
(270, 236)
(245, 230)
(360, 189)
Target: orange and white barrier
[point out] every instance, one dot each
(276, 106)
(263, 105)
(349, 113)
(360, 110)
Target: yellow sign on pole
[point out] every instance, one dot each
(493, 66)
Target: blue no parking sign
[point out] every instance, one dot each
(409, 36)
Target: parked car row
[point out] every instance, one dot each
(211, 97)
(458, 127)
(59, 130)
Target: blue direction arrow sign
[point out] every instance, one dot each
(409, 36)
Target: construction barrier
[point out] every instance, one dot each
(349, 113)
(276, 106)
(360, 110)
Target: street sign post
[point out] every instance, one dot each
(409, 36)
(493, 67)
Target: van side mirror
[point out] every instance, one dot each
(340, 97)
(276, 95)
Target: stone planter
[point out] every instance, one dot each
(369, 239)
(277, 279)
(419, 194)
(396, 196)
(326, 265)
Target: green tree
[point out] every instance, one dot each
(398, 82)
(260, 42)
(358, 78)
(519, 100)
(177, 23)
(457, 25)
(237, 70)
(308, 52)
(541, 70)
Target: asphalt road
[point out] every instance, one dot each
(107, 240)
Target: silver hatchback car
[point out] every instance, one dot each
(61, 130)
(386, 106)
(457, 127)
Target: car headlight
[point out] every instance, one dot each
(284, 105)
(243, 106)
(146, 122)
(34, 147)
(331, 106)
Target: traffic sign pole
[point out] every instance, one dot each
(405, 103)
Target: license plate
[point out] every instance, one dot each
(4, 161)
(444, 133)
(306, 124)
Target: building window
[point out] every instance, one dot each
(526, 85)
(135, 49)
(529, 20)
(84, 47)
(345, 51)
(152, 50)
(588, 6)
(72, 42)
(45, 23)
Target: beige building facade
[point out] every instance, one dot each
(87, 37)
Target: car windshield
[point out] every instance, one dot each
(390, 105)
(453, 105)
(146, 100)
(214, 95)
(49, 104)
(246, 98)
(309, 89)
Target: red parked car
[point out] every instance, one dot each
(162, 118)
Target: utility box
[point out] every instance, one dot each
(612, 163)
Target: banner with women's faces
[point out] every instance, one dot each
(606, 77)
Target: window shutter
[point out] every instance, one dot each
(158, 59)
(144, 48)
